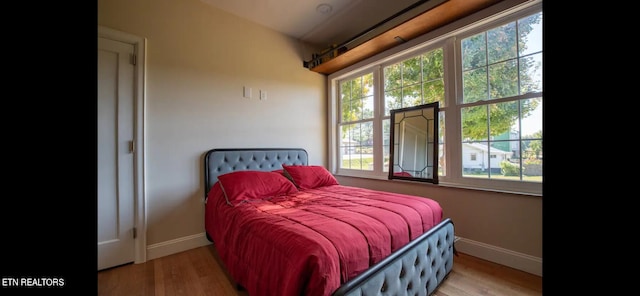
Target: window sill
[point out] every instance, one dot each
(441, 183)
(470, 187)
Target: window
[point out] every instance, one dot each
(487, 80)
(356, 124)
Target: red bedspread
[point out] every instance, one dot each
(312, 241)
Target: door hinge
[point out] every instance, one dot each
(132, 146)
(132, 59)
(135, 233)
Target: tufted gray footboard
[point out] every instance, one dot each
(415, 269)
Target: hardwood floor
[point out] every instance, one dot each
(198, 272)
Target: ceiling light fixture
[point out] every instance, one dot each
(324, 8)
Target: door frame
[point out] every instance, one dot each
(140, 219)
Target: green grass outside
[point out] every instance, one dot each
(359, 163)
(501, 177)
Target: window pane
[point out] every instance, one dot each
(345, 101)
(503, 78)
(532, 161)
(367, 107)
(503, 119)
(474, 124)
(392, 77)
(417, 80)
(530, 51)
(475, 159)
(357, 98)
(345, 90)
(503, 149)
(474, 84)
(411, 73)
(347, 146)
(501, 43)
(386, 133)
(392, 100)
(531, 118)
(441, 145)
(356, 147)
(503, 164)
(433, 73)
(433, 91)
(432, 65)
(474, 52)
(530, 31)
(487, 161)
(367, 84)
(411, 96)
(531, 73)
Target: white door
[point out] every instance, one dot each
(116, 206)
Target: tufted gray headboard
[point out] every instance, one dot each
(222, 161)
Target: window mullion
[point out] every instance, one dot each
(453, 95)
(378, 116)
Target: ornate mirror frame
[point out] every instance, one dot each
(413, 143)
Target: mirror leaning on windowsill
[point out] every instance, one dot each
(413, 149)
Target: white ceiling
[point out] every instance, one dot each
(300, 19)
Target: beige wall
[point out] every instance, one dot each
(198, 60)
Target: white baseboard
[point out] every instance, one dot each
(176, 245)
(484, 251)
(524, 262)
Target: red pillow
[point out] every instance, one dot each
(309, 176)
(243, 185)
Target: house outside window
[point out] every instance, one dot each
(487, 80)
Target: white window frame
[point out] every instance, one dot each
(453, 89)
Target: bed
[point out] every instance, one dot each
(284, 227)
